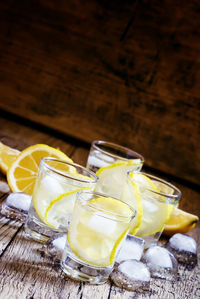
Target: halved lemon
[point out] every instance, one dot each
(156, 210)
(22, 173)
(180, 222)
(7, 156)
(96, 230)
(113, 181)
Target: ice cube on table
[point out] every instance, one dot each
(55, 245)
(132, 248)
(16, 205)
(161, 262)
(131, 275)
(184, 248)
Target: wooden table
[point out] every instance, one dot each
(25, 272)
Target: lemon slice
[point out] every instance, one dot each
(113, 181)
(156, 210)
(7, 156)
(60, 209)
(180, 222)
(96, 230)
(131, 195)
(23, 171)
(112, 177)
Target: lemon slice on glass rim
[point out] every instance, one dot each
(156, 209)
(93, 238)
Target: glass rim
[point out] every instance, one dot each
(99, 210)
(155, 178)
(91, 174)
(96, 144)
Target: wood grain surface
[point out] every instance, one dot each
(26, 272)
(124, 71)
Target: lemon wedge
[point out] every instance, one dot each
(113, 181)
(180, 222)
(22, 173)
(156, 210)
(7, 156)
(96, 230)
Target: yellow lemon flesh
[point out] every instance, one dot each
(7, 156)
(113, 181)
(23, 171)
(180, 222)
(156, 210)
(59, 211)
(96, 230)
(54, 195)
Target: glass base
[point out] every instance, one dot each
(76, 269)
(34, 235)
(38, 231)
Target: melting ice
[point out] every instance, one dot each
(184, 249)
(161, 262)
(132, 275)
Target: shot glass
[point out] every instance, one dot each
(98, 226)
(158, 198)
(103, 153)
(53, 197)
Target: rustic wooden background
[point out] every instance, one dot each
(119, 70)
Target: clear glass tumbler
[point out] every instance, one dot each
(103, 153)
(54, 195)
(97, 228)
(156, 199)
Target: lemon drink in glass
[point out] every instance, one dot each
(53, 197)
(157, 199)
(103, 153)
(98, 225)
(153, 198)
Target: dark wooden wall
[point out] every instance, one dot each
(124, 71)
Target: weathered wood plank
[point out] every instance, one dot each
(8, 231)
(26, 273)
(20, 136)
(125, 71)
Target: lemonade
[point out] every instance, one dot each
(97, 228)
(53, 197)
(158, 199)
